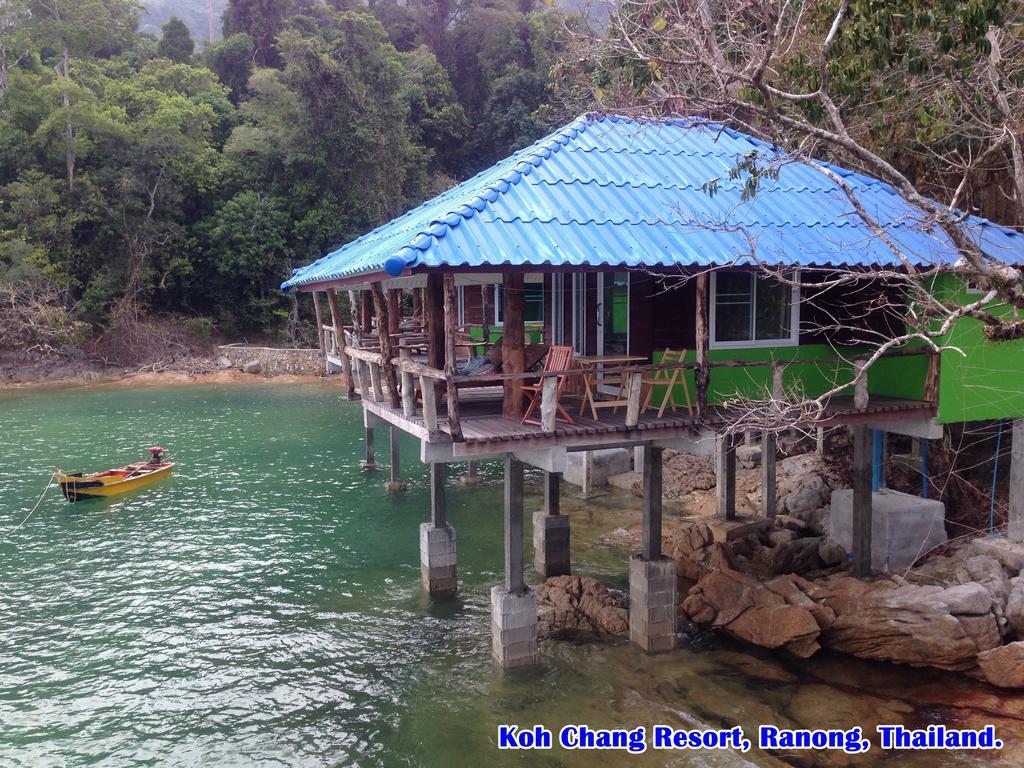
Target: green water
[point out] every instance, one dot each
(263, 607)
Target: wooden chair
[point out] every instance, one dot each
(558, 359)
(668, 379)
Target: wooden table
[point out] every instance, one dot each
(591, 381)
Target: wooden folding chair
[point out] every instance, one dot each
(558, 359)
(668, 379)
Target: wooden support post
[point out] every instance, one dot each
(341, 345)
(450, 322)
(315, 295)
(552, 493)
(725, 476)
(652, 503)
(549, 403)
(861, 436)
(417, 304)
(394, 310)
(395, 484)
(366, 312)
(375, 385)
(438, 510)
(433, 316)
(429, 404)
(634, 385)
(514, 583)
(819, 441)
(778, 389)
(387, 351)
(931, 381)
(860, 387)
(513, 346)
(485, 312)
(768, 474)
(1015, 527)
(408, 387)
(702, 374)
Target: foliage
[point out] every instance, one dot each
(140, 180)
(176, 42)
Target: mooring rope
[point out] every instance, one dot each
(38, 502)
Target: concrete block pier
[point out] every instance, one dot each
(652, 603)
(903, 527)
(551, 532)
(438, 568)
(513, 604)
(513, 627)
(652, 576)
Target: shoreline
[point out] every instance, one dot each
(169, 378)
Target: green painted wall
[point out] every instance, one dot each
(900, 377)
(978, 379)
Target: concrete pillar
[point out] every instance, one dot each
(652, 576)
(768, 474)
(369, 462)
(551, 532)
(861, 515)
(438, 568)
(725, 476)
(1015, 528)
(394, 483)
(472, 476)
(513, 605)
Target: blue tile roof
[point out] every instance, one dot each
(617, 191)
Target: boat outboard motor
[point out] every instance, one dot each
(156, 455)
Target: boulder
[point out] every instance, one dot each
(831, 554)
(797, 556)
(222, 362)
(908, 624)
(575, 604)
(253, 366)
(743, 608)
(1003, 666)
(748, 456)
(1014, 610)
(691, 545)
(781, 536)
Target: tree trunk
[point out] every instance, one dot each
(513, 345)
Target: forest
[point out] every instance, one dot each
(151, 183)
(156, 185)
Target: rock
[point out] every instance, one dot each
(743, 608)
(690, 545)
(748, 456)
(781, 536)
(830, 553)
(797, 556)
(253, 366)
(1014, 610)
(222, 362)
(792, 523)
(909, 624)
(1010, 554)
(573, 604)
(1003, 666)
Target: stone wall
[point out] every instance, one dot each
(273, 361)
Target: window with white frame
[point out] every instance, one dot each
(533, 303)
(749, 309)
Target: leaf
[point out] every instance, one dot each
(659, 24)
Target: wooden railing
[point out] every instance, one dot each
(367, 372)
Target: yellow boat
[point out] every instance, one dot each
(115, 481)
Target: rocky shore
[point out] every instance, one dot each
(783, 585)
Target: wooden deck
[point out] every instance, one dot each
(487, 432)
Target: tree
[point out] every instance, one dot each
(262, 21)
(842, 80)
(176, 42)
